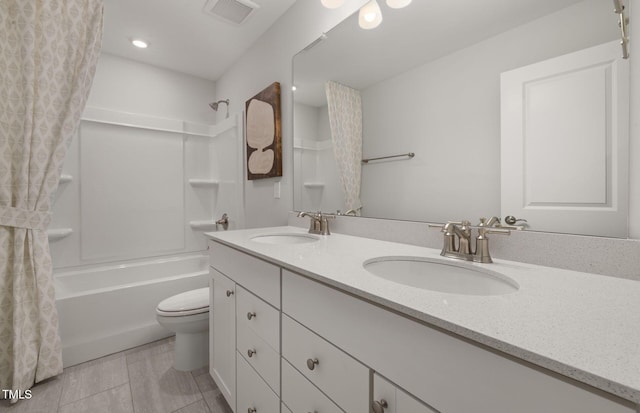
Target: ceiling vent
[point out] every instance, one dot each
(231, 11)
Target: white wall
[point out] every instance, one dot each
(269, 60)
(128, 86)
(448, 113)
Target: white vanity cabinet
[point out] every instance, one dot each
(222, 334)
(299, 395)
(254, 396)
(387, 398)
(452, 374)
(303, 346)
(335, 373)
(244, 329)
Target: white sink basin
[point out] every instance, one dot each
(294, 238)
(441, 275)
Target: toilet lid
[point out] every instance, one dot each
(187, 301)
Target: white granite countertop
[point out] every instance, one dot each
(581, 325)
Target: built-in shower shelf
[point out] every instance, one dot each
(203, 225)
(203, 183)
(59, 233)
(65, 178)
(314, 185)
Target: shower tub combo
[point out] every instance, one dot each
(110, 308)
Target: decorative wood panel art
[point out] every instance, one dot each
(264, 134)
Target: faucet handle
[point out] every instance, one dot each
(324, 223)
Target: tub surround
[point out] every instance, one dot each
(559, 319)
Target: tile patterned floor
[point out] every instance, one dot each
(139, 380)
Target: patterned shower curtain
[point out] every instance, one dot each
(48, 55)
(345, 119)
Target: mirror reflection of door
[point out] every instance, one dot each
(573, 107)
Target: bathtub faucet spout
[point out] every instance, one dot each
(224, 221)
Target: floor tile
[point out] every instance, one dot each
(212, 395)
(156, 387)
(161, 346)
(200, 371)
(45, 395)
(198, 407)
(116, 400)
(93, 377)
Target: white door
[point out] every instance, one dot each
(222, 335)
(565, 140)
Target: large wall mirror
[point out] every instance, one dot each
(429, 82)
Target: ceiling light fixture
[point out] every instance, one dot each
(139, 43)
(398, 4)
(332, 4)
(370, 15)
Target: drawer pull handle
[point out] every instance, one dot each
(251, 410)
(379, 406)
(251, 315)
(312, 363)
(250, 352)
(229, 293)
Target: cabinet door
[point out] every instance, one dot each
(388, 398)
(222, 335)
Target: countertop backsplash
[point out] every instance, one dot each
(597, 255)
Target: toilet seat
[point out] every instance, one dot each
(184, 304)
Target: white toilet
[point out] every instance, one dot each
(187, 314)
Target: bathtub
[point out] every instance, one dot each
(109, 308)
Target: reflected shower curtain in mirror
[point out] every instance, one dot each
(345, 119)
(48, 55)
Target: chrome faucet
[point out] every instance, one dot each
(224, 221)
(462, 232)
(319, 222)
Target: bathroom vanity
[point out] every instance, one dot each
(300, 325)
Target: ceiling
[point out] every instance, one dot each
(410, 37)
(181, 36)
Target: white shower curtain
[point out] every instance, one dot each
(48, 54)
(345, 119)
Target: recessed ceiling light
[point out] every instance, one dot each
(294, 88)
(139, 43)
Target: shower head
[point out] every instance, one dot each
(214, 105)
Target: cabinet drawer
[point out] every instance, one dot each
(261, 356)
(300, 396)
(338, 375)
(257, 276)
(253, 392)
(451, 374)
(396, 400)
(260, 317)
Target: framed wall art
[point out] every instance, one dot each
(264, 134)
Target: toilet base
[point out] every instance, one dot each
(191, 351)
